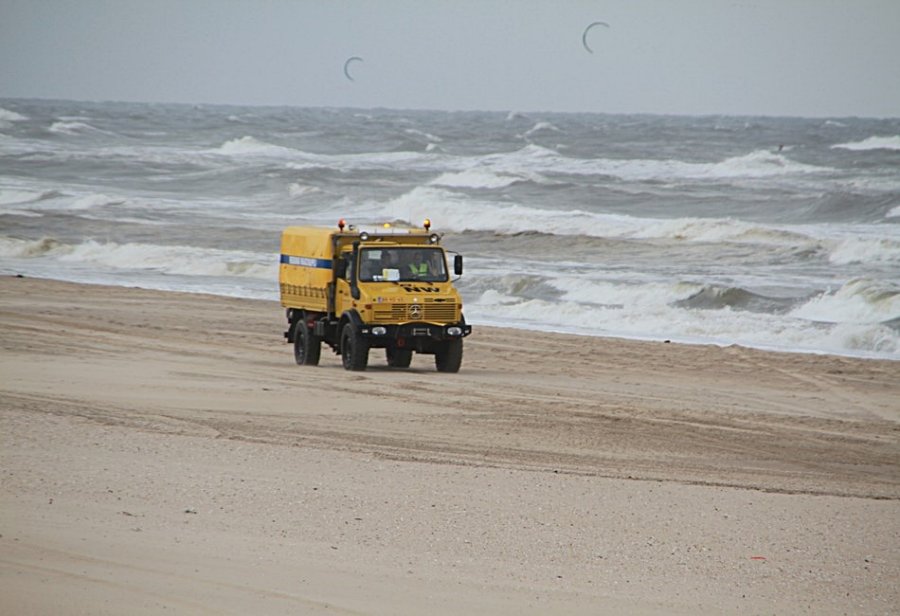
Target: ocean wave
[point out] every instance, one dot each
(865, 250)
(859, 301)
(514, 286)
(296, 189)
(13, 247)
(717, 297)
(178, 260)
(541, 126)
(19, 197)
(656, 320)
(516, 115)
(250, 146)
(476, 178)
(419, 133)
(719, 230)
(74, 128)
(7, 118)
(623, 295)
(760, 163)
(11, 116)
(531, 163)
(867, 338)
(53, 200)
(451, 211)
(95, 200)
(756, 164)
(872, 143)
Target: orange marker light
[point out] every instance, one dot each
(341, 224)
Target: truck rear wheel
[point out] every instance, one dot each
(398, 358)
(307, 347)
(354, 349)
(449, 358)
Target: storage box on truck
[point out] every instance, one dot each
(357, 288)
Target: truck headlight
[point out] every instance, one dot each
(454, 331)
(379, 331)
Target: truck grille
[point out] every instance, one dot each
(434, 312)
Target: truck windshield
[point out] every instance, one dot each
(402, 265)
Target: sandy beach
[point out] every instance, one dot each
(162, 453)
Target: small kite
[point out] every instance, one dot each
(588, 29)
(347, 66)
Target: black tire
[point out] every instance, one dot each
(354, 349)
(307, 347)
(449, 358)
(398, 358)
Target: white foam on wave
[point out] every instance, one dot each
(7, 118)
(251, 146)
(88, 202)
(760, 163)
(303, 161)
(19, 197)
(532, 162)
(866, 338)
(13, 247)
(296, 189)
(419, 133)
(541, 126)
(859, 301)
(865, 250)
(627, 295)
(455, 212)
(11, 116)
(476, 178)
(178, 260)
(719, 230)
(757, 164)
(633, 312)
(872, 143)
(74, 128)
(26, 201)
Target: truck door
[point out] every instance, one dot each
(342, 297)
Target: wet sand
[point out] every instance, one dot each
(162, 452)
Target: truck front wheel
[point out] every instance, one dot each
(354, 349)
(307, 347)
(449, 358)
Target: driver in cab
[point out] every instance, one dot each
(419, 266)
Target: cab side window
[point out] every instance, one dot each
(348, 272)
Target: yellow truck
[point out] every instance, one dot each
(357, 288)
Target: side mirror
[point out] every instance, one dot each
(457, 265)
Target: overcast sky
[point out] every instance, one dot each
(766, 57)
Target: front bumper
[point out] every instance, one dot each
(390, 334)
